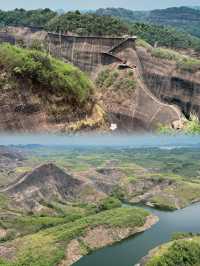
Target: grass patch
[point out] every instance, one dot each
(184, 63)
(144, 44)
(23, 169)
(4, 200)
(167, 54)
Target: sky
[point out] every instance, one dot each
(92, 4)
(102, 140)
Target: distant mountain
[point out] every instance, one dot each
(124, 14)
(182, 18)
(195, 7)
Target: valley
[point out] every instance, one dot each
(58, 198)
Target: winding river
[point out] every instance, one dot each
(130, 251)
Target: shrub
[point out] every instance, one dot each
(164, 129)
(182, 252)
(192, 125)
(102, 77)
(109, 203)
(126, 84)
(111, 79)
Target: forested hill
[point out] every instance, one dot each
(76, 22)
(183, 18)
(22, 17)
(106, 22)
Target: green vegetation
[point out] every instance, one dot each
(44, 72)
(182, 18)
(47, 247)
(28, 224)
(164, 36)
(4, 200)
(182, 235)
(109, 203)
(184, 63)
(167, 54)
(182, 252)
(143, 43)
(164, 202)
(22, 17)
(178, 195)
(87, 24)
(191, 127)
(108, 78)
(126, 83)
(115, 22)
(122, 13)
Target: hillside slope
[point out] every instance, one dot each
(40, 93)
(130, 89)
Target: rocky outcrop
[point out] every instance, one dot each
(169, 84)
(73, 254)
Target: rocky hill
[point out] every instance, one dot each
(46, 182)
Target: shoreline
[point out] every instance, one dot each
(74, 251)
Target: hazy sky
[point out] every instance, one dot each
(92, 4)
(103, 140)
